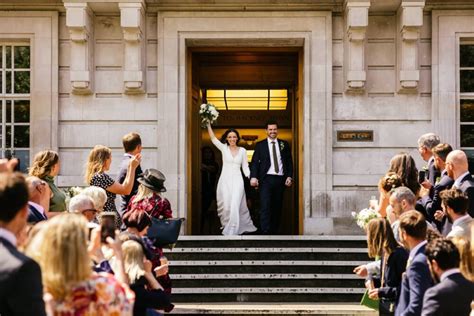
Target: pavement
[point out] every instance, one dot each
(271, 309)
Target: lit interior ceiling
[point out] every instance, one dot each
(229, 99)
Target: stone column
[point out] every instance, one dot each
(357, 20)
(410, 23)
(79, 23)
(132, 21)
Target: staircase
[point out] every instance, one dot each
(278, 269)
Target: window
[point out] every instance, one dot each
(15, 102)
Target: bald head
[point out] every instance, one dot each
(38, 190)
(456, 163)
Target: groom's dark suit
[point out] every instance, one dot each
(271, 186)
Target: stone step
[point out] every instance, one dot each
(268, 297)
(272, 309)
(262, 256)
(206, 263)
(189, 269)
(264, 276)
(274, 283)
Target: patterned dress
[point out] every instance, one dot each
(156, 207)
(101, 295)
(104, 181)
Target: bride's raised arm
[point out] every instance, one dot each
(214, 140)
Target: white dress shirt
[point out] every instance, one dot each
(414, 250)
(38, 207)
(8, 235)
(271, 171)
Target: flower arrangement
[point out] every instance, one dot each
(71, 192)
(364, 216)
(208, 114)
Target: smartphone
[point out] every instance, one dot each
(107, 226)
(421, 176)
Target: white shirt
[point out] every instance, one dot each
(461, 219)
(457, 182)
(8, 235)
(38, 207)
(414, 250)
(271, 171)
(448, 273)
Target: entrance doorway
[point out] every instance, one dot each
(249, 87)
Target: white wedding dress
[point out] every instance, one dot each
(231, 201)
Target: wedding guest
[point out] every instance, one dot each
(83, 204)
(404, 165)
(39, 198)
(21, 288)
(46, 166)
(401, 200)
(432, 201)
(387, 183)
(137, 222)
(453, 294)
(149, 293)
(98, 163)
(382, 244)
(458, 169)
(455, 205)
(426, 143)
(132, 145)
(417, 280)
(67, 273)
(98, 196)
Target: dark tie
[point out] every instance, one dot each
(275, 158)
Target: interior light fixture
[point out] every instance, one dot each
(249, 139)
(263, 99)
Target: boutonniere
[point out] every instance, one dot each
(282, 146)
(438, 179)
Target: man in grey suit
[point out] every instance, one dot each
(453, 294)
(21, 288)
(455, 205)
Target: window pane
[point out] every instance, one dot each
(467, 111)
(8, 115)
(467, 80)
(8, 136)
(467, 135)
(8, 56)
(22, 136)
(22, 111)
(24, 159)
(22, 82)
(8, 82)
(466, 53)
(470, 158)
(22, 56)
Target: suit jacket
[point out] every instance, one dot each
(261, 160)
(35, 215)
(467, 187)
(21, 288)
(461, 229)
(432, 173)
(396, 264)
(452, 296)
(432, 202)
(124, 199)
(416, 280)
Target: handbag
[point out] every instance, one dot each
(164, 233)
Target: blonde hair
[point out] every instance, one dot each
(96, 161)
(466, 251)
(133, 258)
(64, 259)
(43, 163)
(380, 238)
(143, 193)
(98, 196)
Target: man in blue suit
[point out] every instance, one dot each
(453, 294)
(426, 143)
(417, 278)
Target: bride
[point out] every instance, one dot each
(231, 201)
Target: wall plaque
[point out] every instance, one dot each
(355, 136)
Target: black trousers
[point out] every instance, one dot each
(271, 197)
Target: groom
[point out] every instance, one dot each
(271, 170)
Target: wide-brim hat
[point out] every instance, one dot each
(153, 179)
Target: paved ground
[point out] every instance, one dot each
(271, 309)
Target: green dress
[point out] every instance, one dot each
(58, 200)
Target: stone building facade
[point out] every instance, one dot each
(101, 68)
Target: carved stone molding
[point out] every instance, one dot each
(356, 15)
(411, 21)
(79, 22)
(132, 21)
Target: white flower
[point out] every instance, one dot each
(203, 106)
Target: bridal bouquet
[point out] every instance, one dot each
(364, 216)
(208, 114)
